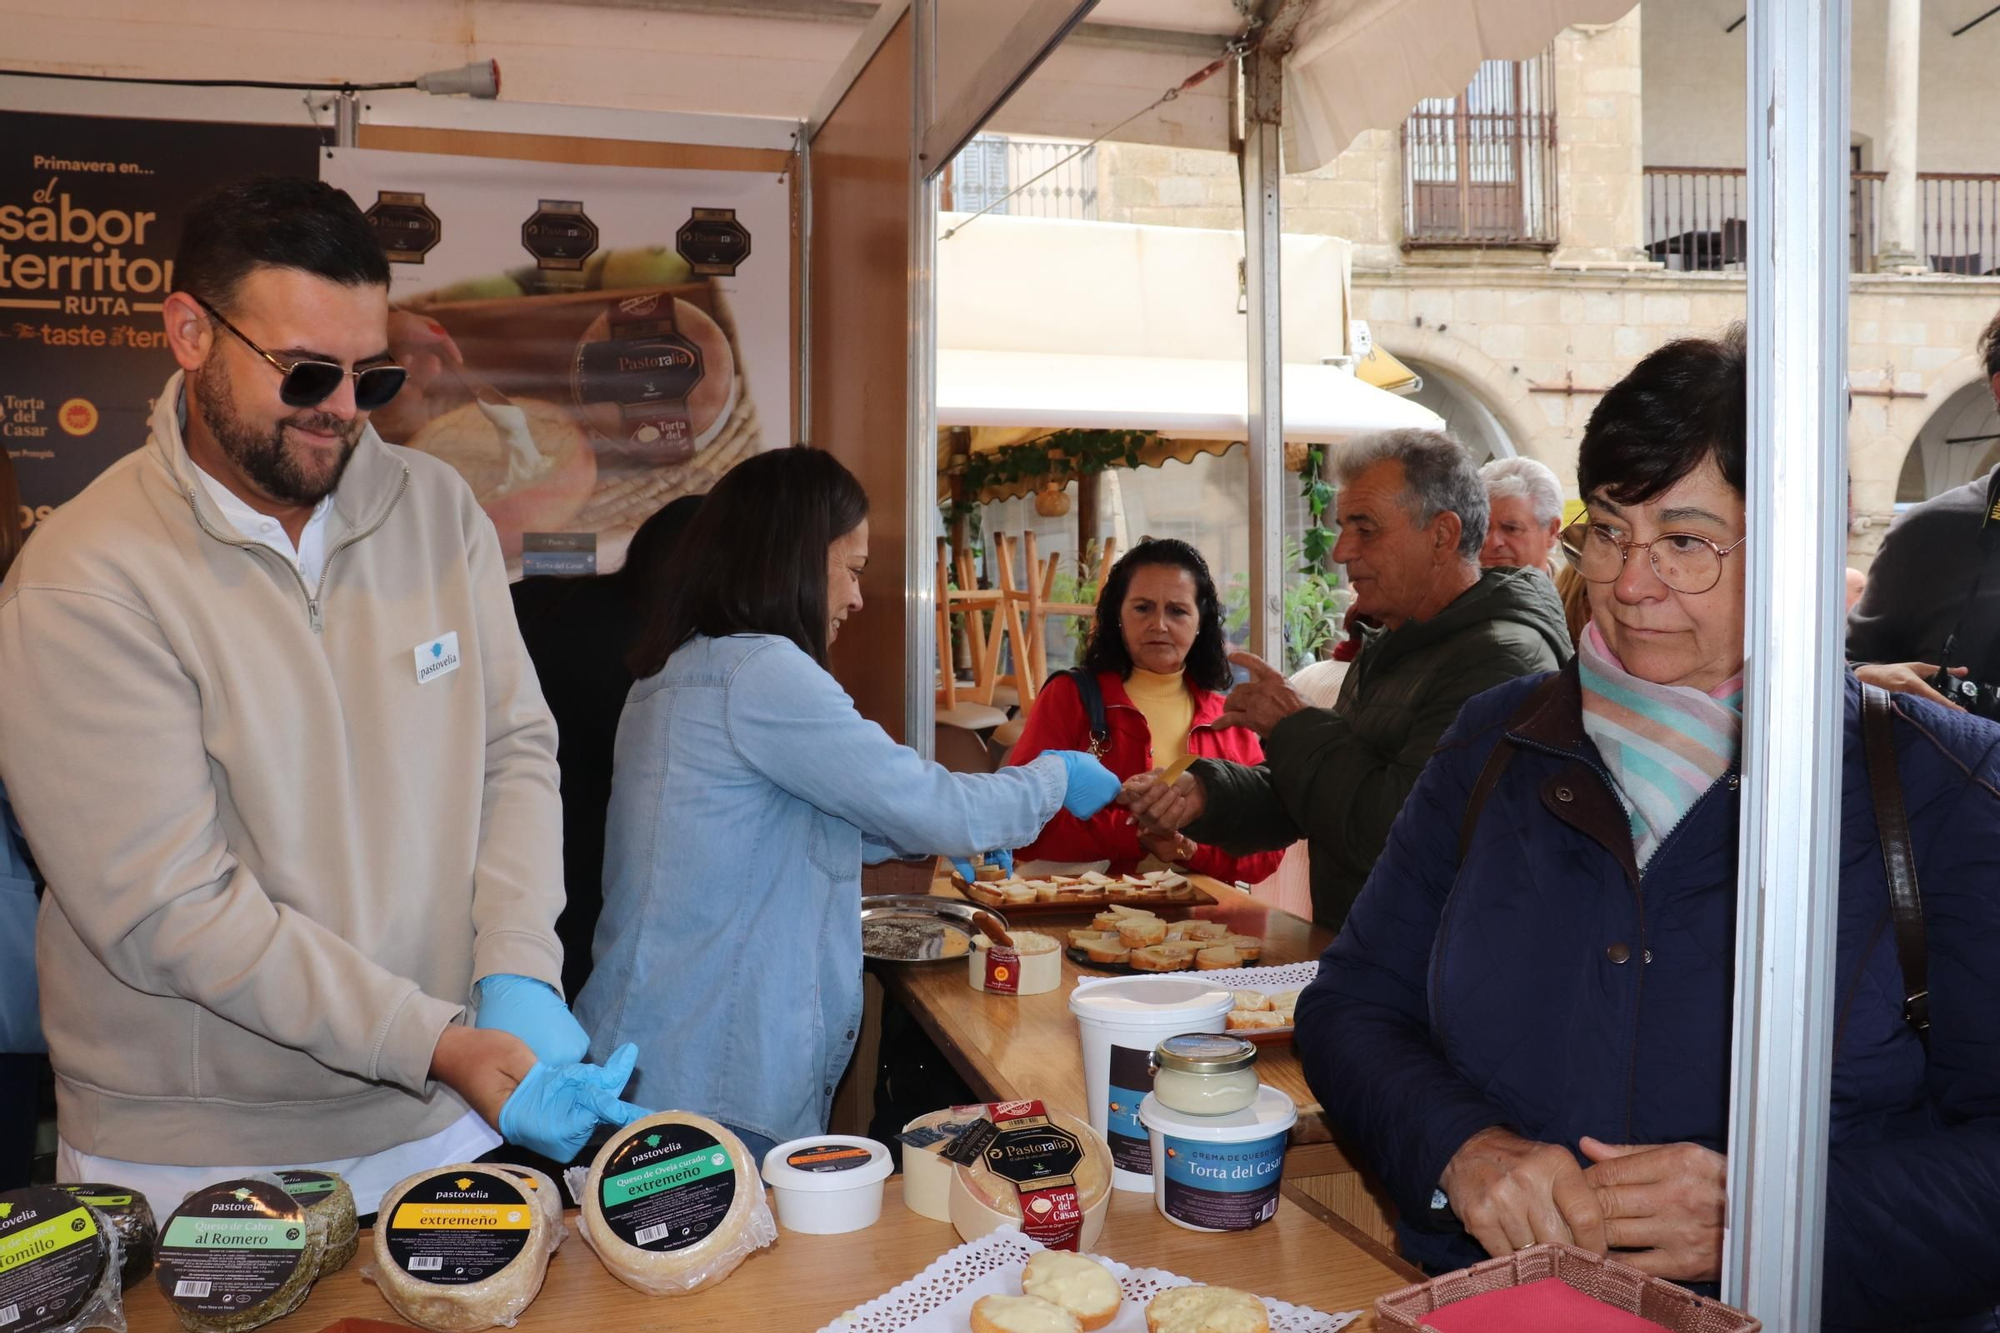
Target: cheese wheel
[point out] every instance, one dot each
(58, 1263)
(541, 494)
(670, 1204)
(1078, 1284)
(132, 1218)
(329, 1206)
(1206, 1310)
(549, 1199)
(982, 1200)
(237, 1254)
(457, 1249)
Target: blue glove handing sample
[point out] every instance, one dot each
(1000, 857)
(1092, 786)
(556, 1108)
(531, 1010)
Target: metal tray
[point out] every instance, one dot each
(925, 916)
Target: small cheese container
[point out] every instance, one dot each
(1205, 1073)
(1035, 970)
(1219, 1172)
(829, 1184)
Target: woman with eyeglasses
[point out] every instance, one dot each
(1525, 1025)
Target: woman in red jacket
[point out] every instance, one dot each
(1161, 664)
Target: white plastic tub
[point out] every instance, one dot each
(829, 1184)
(1121, 1020)
(1219, 1172)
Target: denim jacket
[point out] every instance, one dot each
(746, 793)
(20, 1014)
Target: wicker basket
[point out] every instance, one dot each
(1617, 1285)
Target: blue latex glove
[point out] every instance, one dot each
(557, 1107)
(532, 1011)
(1092, 786)
(1002, 858)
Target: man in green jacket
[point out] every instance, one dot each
(1413, 516)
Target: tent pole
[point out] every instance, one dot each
(1794, 705)
(1263, 231)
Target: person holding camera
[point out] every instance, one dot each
(1929, 621)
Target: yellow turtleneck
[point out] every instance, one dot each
(1168, 708)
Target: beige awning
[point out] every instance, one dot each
(1365, 64)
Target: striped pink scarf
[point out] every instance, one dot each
(1664, 744)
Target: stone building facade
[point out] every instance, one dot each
(1519, 340)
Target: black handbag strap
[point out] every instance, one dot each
(1093, 707)
(1899, 862)
(1497, 761)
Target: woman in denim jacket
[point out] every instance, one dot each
(746, 794)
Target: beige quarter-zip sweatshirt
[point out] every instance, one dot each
(285, 828)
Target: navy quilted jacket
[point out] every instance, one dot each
(1547, 986)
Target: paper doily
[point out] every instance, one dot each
(1267, 979)
(940, 1299)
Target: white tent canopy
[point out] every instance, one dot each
(1173, 396)
(1110, 326)
(1365, 64)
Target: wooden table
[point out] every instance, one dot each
(1009, 1048)
(804, 1282)
(1015, 1047)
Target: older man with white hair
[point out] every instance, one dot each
(1437, 630)
(1524, 515)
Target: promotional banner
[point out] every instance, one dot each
(622, 334)
(90, 217)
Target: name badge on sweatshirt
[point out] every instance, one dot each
(437, 658)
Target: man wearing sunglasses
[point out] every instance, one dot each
(282, 757)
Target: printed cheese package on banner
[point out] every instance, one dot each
(673, 1203)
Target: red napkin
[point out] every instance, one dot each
(1537, 1307)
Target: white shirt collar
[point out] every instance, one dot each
(308, 557)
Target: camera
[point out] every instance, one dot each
(1974, 697)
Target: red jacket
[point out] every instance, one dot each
(1058, 722)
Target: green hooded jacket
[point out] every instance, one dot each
(1337, 776)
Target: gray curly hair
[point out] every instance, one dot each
(1437, 476)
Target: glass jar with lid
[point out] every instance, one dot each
(1205, 1073)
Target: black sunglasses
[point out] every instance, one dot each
(309, 383)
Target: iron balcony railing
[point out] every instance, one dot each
(1479, 169)
(991, 165)
(1697, 218)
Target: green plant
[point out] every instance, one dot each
(1078, 588)
(1317, 543)
(1315, 605)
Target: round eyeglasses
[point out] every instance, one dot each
(1684, 561)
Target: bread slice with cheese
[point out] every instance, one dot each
(1021, 1314)
(1078, 1284)
(1206, 1310)
(1137, 932)
(1217, 958)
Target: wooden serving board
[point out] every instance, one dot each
(1167, 909)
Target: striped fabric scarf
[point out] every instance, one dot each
(1664, 744)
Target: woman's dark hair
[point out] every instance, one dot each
(651, 554)
(754, 559)
(1684, 403)
(1208, 658)
(275, 222)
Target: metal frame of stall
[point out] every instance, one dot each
(1797, 98)
(1798, 104)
